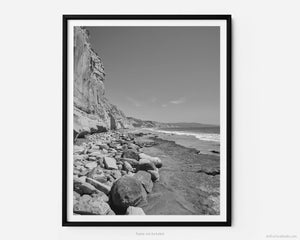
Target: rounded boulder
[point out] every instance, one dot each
(145, 178)
(127, 191)
(131, 153)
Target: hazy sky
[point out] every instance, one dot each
(167, 74)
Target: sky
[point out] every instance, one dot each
(166, 74)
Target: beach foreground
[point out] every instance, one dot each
(140, 172)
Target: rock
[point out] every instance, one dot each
(111, 150)
(127, 167)
(120, 166)
(84, 187)
(125, 148)
(146, 164)
(213, 171)
(96, 155)
(156, 160)
(98, 185)
(87, 205)
(81, 170)
(119, 147)
(112, 145)
(104, 151)
(92, 159)
(98, 177)
(131, 154)
(77, 157)
(82, 178)
(154, 175)
(85, 198)
(144, 142)
(145, 178)
(135, 211)
(110, 179)
(75, 195)
(110, 163)
(133, 146)
(116, 174)
(132, 162)
(78, 164)
(94, 148)
(78, 149)
(127, 191)
(101, 163)
(91, 165)
(102, 145)
(130, 174)
(101, 195)
(215, 151)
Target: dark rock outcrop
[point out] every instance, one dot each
(145, 178)
(127, 191)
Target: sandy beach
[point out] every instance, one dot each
(189, 181)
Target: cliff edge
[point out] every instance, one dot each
(92, 112)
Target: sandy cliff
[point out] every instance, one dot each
(92, 110)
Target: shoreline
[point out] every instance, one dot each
(187, 183)
(188, 141)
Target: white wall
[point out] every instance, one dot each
(266, 43)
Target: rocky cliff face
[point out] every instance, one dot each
(92, 111)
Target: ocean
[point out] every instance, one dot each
(211, 134)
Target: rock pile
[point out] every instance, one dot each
(111, 174)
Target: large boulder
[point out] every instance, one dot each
(131, 153)
(110, 163)
(135, 211)
(156, 160)
(87, 205)
(146, 164)
(125, 192)
(145, 178)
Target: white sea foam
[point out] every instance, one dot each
(212, 137)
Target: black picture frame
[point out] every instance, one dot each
(227, 18)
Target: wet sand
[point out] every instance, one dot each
(189, 182)
(206, 147)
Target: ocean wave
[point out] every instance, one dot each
(212, 137)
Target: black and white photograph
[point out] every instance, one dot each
(148, 120)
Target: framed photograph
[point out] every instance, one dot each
(146, 120)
